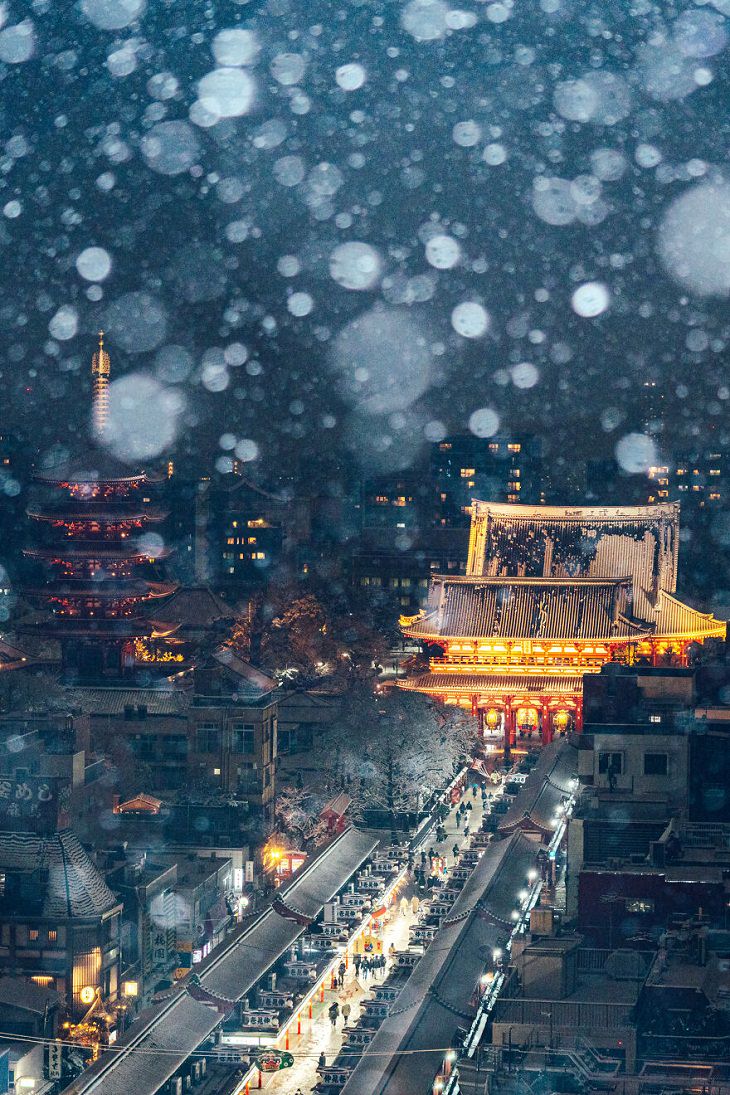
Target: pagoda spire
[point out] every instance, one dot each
(100, 370)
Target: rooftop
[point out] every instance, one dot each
(441, 992)
(170, 1031)
(72, 886)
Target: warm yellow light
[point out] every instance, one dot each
(87, 994)
(131, 988)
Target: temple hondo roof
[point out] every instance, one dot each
(640, 542)
(581, 609)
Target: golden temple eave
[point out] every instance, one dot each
(496, 684)
(676, 620)
(584, 514)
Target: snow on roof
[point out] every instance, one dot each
(548, 783)
(441, 992)
(73, 886)
(168, 1033)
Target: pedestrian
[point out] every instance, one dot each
(334, 1011)
(423, 858)
(345, 1013)
(322, 1060)
(458, 822)
(455, 851)
(358, 962)
(341, 973)
(469, 807)
(466, 830)
(382, 964)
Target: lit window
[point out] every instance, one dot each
(466, 473)
(52, 935)
(514, 447)
(32, 935)
(714, 471)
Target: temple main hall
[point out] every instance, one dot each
(550, 594)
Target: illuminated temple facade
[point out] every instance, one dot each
(551, 594)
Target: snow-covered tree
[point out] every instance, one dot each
(392, 750)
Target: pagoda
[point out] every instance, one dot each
(99, 565)
(550, 594)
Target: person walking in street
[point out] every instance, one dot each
(469, 807)
(358, 963)
(455, 851)
(334, 1011)
(322, 1063)
(466, 831)
(345, 1013)
(341, 973)
(474, 790)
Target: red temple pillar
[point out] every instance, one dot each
(474, 705)
(547, 729)
(510, 734)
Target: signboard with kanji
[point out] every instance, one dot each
(273, 1060)
(55, 1060)
(34, 802)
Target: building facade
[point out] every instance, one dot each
(552, 594)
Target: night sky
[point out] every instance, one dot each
(533, 194)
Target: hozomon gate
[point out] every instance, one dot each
(552, 593)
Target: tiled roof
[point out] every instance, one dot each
(113, 701)
(249, 677)
(17, 992)
(497, 683)
(195, 607)
(74, 887)
(166, 1036)
(583, 541)
(528, 608)
(441, 993)
(548, 783)
(162, 1038)
(674, 618)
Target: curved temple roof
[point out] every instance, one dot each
(582, 609)
(641, 542)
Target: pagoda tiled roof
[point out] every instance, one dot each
(529, 608)
(92, 466)
(495, 683)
